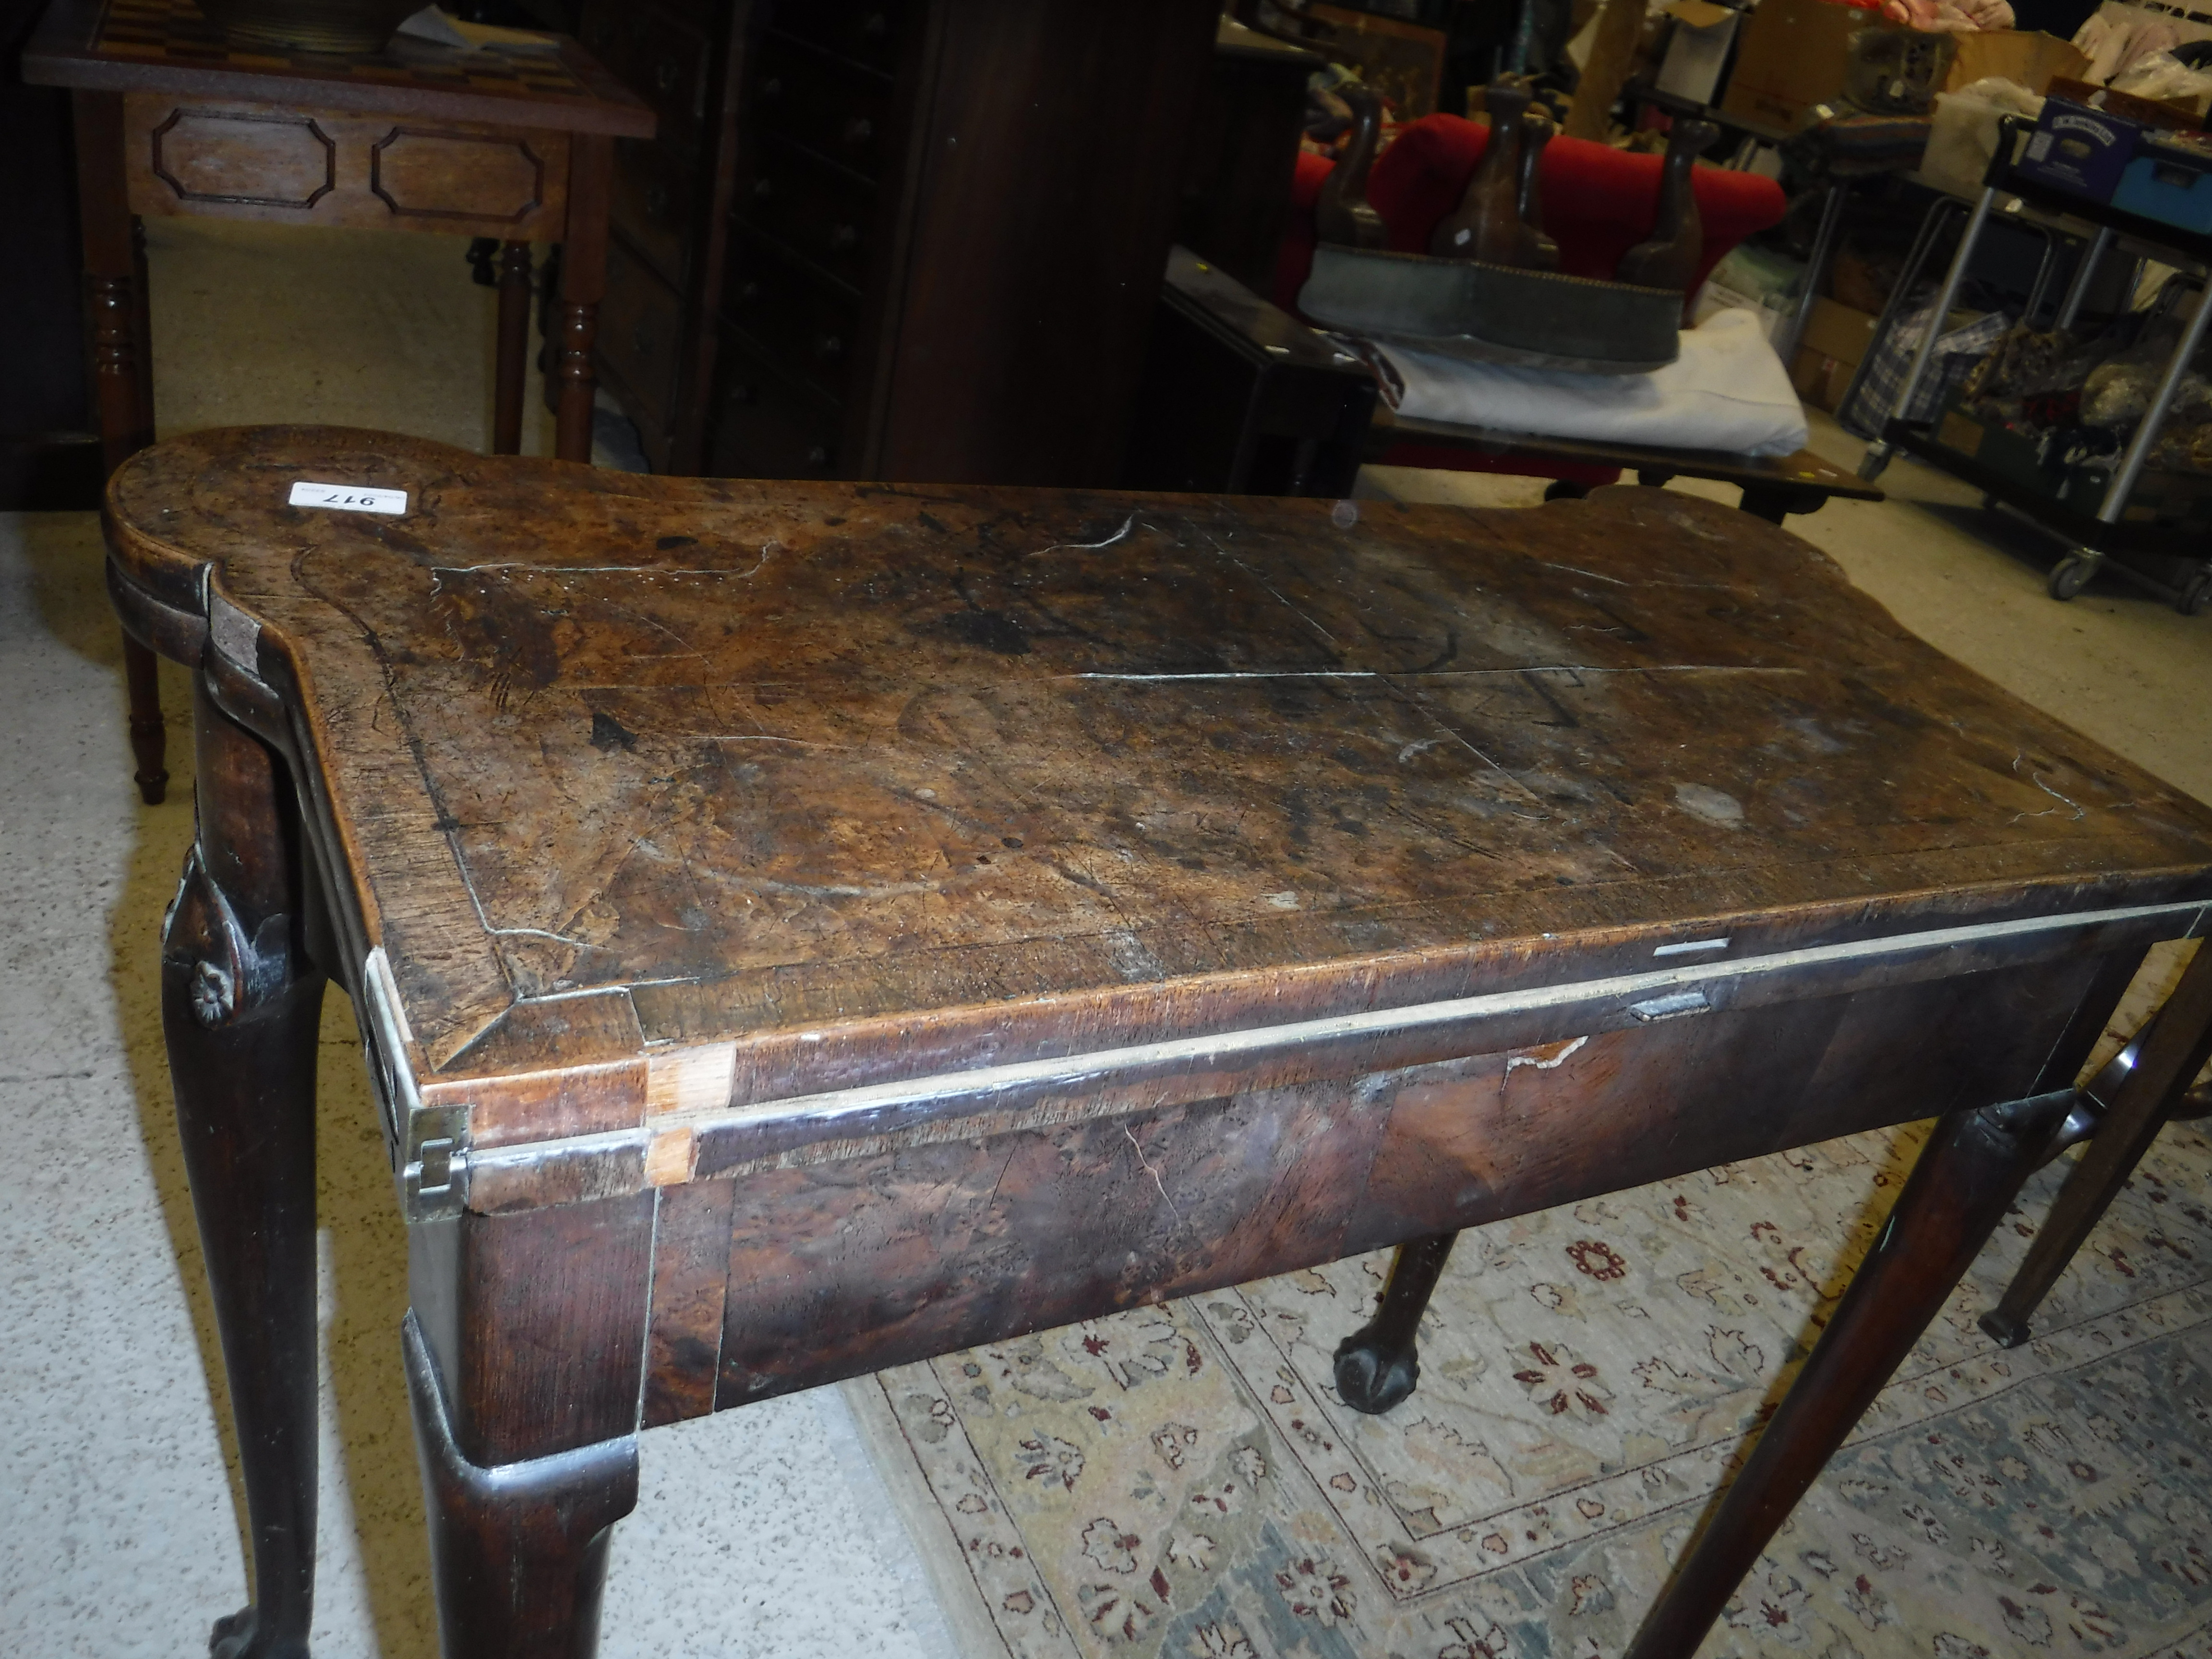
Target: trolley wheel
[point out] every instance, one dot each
(1565, 489)
(2195, 594)
(2071, 575)
(1872, 463)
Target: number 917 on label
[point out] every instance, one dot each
(349, 498)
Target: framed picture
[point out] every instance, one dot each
(1404, 61)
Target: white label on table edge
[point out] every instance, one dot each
(349, 498)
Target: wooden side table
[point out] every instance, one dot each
(171, 119)
(800, 928)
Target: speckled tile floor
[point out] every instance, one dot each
(764, 1533)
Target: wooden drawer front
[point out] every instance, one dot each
(803, 324)
(817, 211)
(869, 32)
(831, 109)
(661, 60)
(653, 206)
(640, 325)
(762, 425)
(300, 167)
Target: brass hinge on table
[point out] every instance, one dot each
(434, 1178)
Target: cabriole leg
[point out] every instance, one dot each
(239, 1007)
(1968, 1175)
(1378, 1365)
(520, 1550)
(2171, 1053)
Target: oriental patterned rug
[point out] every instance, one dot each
(1181, 1482)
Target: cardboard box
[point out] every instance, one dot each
(1793, 54)
(1821, 381)
(1697, 51)
(2143, 111)
(1840, 331)
(2026, 56)
(2080, 150)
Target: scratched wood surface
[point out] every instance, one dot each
(714, 787)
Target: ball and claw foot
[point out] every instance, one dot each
(2005, 1333)
(1371, 1378)
(235, 1638)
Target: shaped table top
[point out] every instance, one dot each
(857, 780)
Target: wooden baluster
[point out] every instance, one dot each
(515, 282)
(1536, 131)
(583, 284)
(1342, 213)
(1487, 224)
(116, 315)
(1670, 256)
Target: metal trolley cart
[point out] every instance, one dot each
(2109, 534)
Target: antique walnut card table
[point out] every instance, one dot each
(802, 928)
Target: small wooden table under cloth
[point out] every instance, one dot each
(801, 928)
(173, 119)
(1773, 486)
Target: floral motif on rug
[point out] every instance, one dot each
(1182, 1481)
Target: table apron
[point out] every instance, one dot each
(284, 165)
(844, 1258)
(505, 1172)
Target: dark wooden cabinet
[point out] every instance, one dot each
(915, 239)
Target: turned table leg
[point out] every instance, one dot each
(2167, 1058)
(1378, 1365)
(583, 283)
(115, 314)
(515, 283)
(1968, 1175)
(239, 1005)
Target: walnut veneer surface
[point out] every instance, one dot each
(825, 756)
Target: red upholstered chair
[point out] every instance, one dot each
(1599, 203)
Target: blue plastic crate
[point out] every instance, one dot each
(2169, 182)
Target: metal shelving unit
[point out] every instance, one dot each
(2095, 541)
